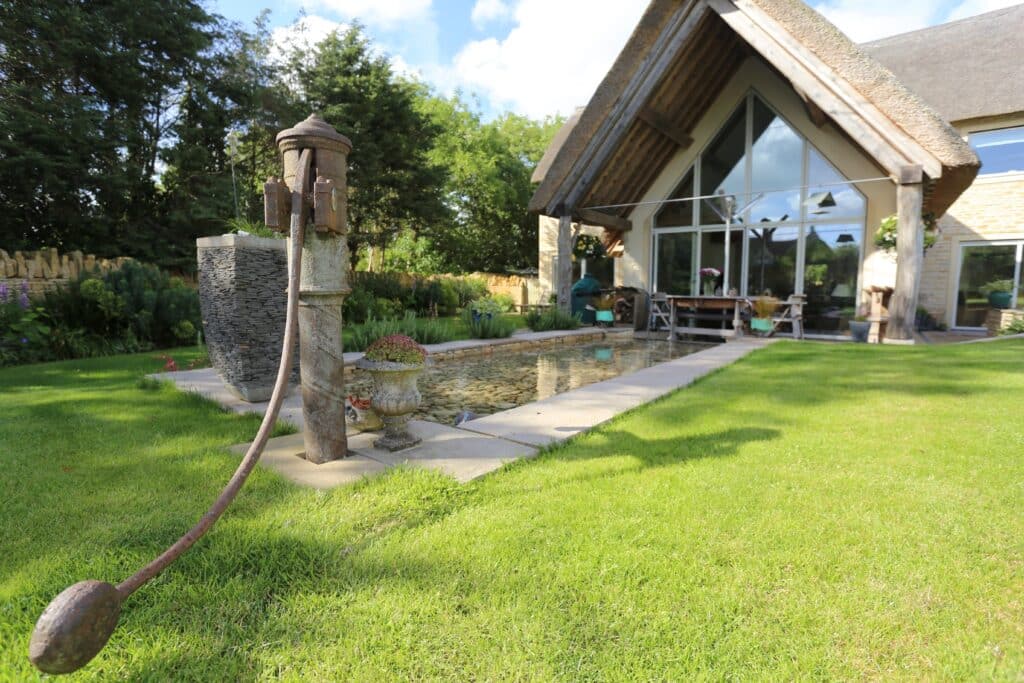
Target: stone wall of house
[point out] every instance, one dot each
(47, 269)
(991, 209)
(243, 282)
(548, 251)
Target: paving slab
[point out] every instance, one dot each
(562, 416)
(460, 454)
(283, 455)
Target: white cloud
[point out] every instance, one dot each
(971, 7)
(553, 59)
(304, 33)
(385, 13)
(865, 20)
(488, 11)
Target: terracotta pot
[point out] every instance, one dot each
(394, 397)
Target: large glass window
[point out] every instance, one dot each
(677, 255)
(1000, 151)
(677, 214)
(771, 262)
(777, 159)
(723, 164)
(990, 277)
(831, 264)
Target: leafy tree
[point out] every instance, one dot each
(394, 181)
(88, 92)
(488, 187)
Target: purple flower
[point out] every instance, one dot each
(23, 299)
(24, 340)
(4, 293)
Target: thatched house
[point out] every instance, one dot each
(768, 102)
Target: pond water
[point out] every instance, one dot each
(491, 383)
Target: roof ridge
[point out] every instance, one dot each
(897, 37)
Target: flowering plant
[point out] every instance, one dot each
(885, 236)
(396, 348)
(709, 274)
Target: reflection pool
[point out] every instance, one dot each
(490, 383)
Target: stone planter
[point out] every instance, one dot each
(394, 397)
(242, 295)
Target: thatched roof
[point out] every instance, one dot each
(680, 56)
(967, 69)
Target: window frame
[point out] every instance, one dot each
(801, 222)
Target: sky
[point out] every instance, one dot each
(540, 57)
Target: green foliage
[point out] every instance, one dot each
(488, 188)
(484, 320)
(394, 183)
(1016, 326)
(396, 348)
(256, 228)
(423, 330)
(134, 308)
(1002, 286)
(552, 318)
(390, 295)
(885, 236)
(504, 302)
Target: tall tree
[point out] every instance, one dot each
(489, 187)
(394, 182)
(88, 92)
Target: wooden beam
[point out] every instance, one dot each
(563, 269)
(608, 136)
(818, 117)
(605, 220)
(909, 261)
(839, 95)
(663, 125)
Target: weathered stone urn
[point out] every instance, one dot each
(243, 282)
(394, 397)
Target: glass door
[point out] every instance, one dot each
(990, 277)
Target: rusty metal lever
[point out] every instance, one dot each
(76, 625)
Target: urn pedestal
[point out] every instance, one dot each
(394, 397)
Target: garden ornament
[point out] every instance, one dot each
(76, 625)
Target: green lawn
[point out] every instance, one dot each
(813, 512)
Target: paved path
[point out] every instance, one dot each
(482, 445)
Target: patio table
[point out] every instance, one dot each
(714, 308)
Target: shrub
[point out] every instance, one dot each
(1015, 327)
(506, 302)
(483, 320)
(551, 319)
(396, 348)
(467, 289)
(424, 331)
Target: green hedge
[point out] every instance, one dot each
(381, 296)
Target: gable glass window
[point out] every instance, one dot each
(1000, 151)
(805, 236)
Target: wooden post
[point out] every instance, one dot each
(563, 274)
(909, 256)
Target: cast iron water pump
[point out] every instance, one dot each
(76, 625)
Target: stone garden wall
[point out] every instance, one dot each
(47, 269)
(997, 319)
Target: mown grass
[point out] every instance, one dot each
(812, 512)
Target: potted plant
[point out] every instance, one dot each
(885, 236)
(394, 362)
(860, 327)
(605, 313)
(708, 280)
(764, 309)
(999, 293)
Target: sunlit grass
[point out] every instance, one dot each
(813, 512)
